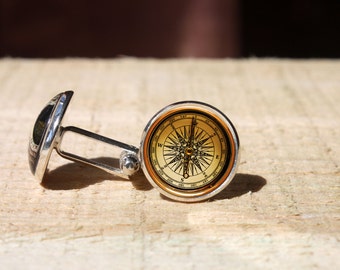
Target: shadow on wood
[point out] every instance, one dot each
(240, 185)
(76, 175)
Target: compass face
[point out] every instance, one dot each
(189, 151)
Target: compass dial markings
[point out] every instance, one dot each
(189, 151)
(187, 146)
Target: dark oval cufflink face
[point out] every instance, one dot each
(41, 123)
(45, 130)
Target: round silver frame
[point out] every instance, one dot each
(190, 105)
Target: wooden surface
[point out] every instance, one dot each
(280, 212)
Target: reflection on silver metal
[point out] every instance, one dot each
(48, 133)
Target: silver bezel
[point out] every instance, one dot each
(40, 152)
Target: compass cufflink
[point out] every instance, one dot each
(189, 150)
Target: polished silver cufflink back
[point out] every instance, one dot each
(48, 133)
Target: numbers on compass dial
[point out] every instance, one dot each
(188, 150)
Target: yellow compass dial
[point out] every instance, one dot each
(189, 151)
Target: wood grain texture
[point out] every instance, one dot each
(281, 210)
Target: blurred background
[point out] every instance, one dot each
(170, 28)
